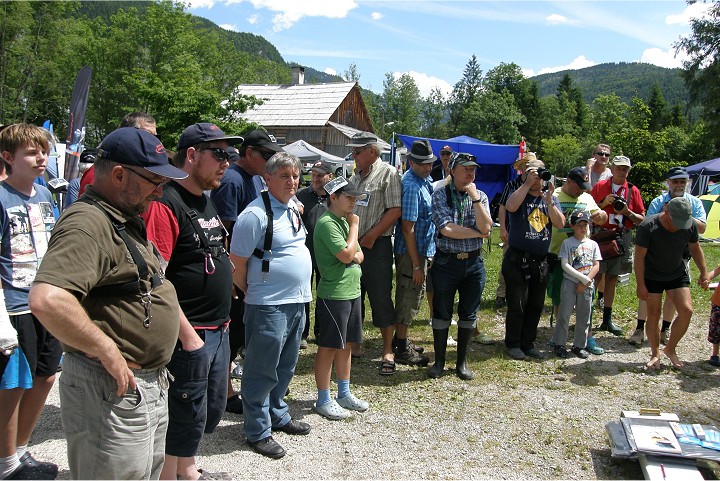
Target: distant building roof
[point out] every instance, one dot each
(298, 105)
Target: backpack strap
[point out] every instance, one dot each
(266, 253)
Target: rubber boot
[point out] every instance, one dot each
(611, 328)
(461, 368)
(440, 342)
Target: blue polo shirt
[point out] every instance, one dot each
(416, 203)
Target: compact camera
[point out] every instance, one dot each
(619, 204)
(544, 174)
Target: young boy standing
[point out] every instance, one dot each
(338, 314)
(30, 214)
(580, 261)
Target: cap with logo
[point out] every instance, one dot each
(680, 212)
(88, 156)
(322, 167)
(140, 148)
(579, 215)
(578, 175)
(677, 173)
(340, 185)
(204, 132)
(361, 139)
(621, 160)
(421, 152)
(464, 159)
(260, 138)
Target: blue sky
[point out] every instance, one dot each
(433, 40)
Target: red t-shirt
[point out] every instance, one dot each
(86, 179)
(604, 188)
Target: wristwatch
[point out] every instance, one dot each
(476, 201)
(418, 268)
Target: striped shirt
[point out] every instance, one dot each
(382, 184)
(460, 211)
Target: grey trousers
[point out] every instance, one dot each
(111, 437)
(582, 303)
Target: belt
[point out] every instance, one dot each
(461, 255)
(527, 255)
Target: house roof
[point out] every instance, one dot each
(297, 105)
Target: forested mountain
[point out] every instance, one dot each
(622, 79)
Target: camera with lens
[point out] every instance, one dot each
(619, 204)
(544, 174)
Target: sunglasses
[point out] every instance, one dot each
(445, 152)
(156, 184)
(357, 151)
(266, 154)
(603, 154)
(220, 154)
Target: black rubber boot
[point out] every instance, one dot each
(461, 368)
(440, 337)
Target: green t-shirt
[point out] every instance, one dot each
(568, 205)
(338, 281)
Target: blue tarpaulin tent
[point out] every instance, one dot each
(495, 160)
(701, 174)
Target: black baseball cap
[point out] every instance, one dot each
(140, 148)
(577, 175)
(204, 132)
(260, 138)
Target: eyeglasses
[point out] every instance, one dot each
(156, 184)
(445, 152)
(266, 154)
(357, 151)
(220, 154)
(295, 220)
(603, 154)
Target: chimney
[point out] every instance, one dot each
(298, 75)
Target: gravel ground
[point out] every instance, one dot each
(515, 420)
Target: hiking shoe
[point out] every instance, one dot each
(234, 404)
(663, 337)
(561, 352)
(534, 353)
(580, 352)
(268, 447)
(637, 338)
(714, 361)
(418, 349)
(516, 353)
(451, 342)
(593, 348)
(499, 302)
(611, 328)
(411, 357)
(352, 403)
(332, 411)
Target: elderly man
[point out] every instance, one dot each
(623, 203)
(660, 242)
(677, 181)
(573, 196)
(272, 268)
(461, 215)
(184, 225)
(596, 165)
(442, 170)
(532, 210)
(378, 214)
(102, 293)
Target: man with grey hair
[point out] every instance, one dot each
(378, 214)
(272, 268)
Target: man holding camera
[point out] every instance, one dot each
(623, 204)
(532, 209)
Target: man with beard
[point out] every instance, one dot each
(117, 319)
(186, 228)
(677, 180)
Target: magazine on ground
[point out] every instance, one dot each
(655, 439)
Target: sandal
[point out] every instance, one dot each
(332, 411)
(387, 368)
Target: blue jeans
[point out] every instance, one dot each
(272, 345)
(451, 275)
(198, 394)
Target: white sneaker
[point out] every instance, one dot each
(451, 341)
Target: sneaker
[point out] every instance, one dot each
(499, 302)
(352, 403)
(593, 348)
(580, 352)
(663, 337)
(237, 371)
(451, 342)
(411, 357)
(714, 361)
(516, 353)
(561, 352)
(303, 344)
(534, 353)
(332, 411)
(637, 338)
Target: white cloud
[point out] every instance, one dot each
(426, 83)
(252, 19)
(229, 26)
(192, 4)
(528, 72)
(376, 15)
(556, 19)
(291, 11)
(668, 59)
(696, 10)
(330, 71)
(576, 64)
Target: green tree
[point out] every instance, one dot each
(465, 92)
(493, 117)
(608, 115)
(659, 113)
(352, 74)
(434, 113)
(562, 153)
(401, 102)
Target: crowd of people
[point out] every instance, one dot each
(162, 270)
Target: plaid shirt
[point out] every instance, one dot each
(416, 204)
(382, 184)
(443, 214)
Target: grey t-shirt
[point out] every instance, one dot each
(664, 258)
(580, 255)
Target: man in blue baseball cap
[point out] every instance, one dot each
(101, 292)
